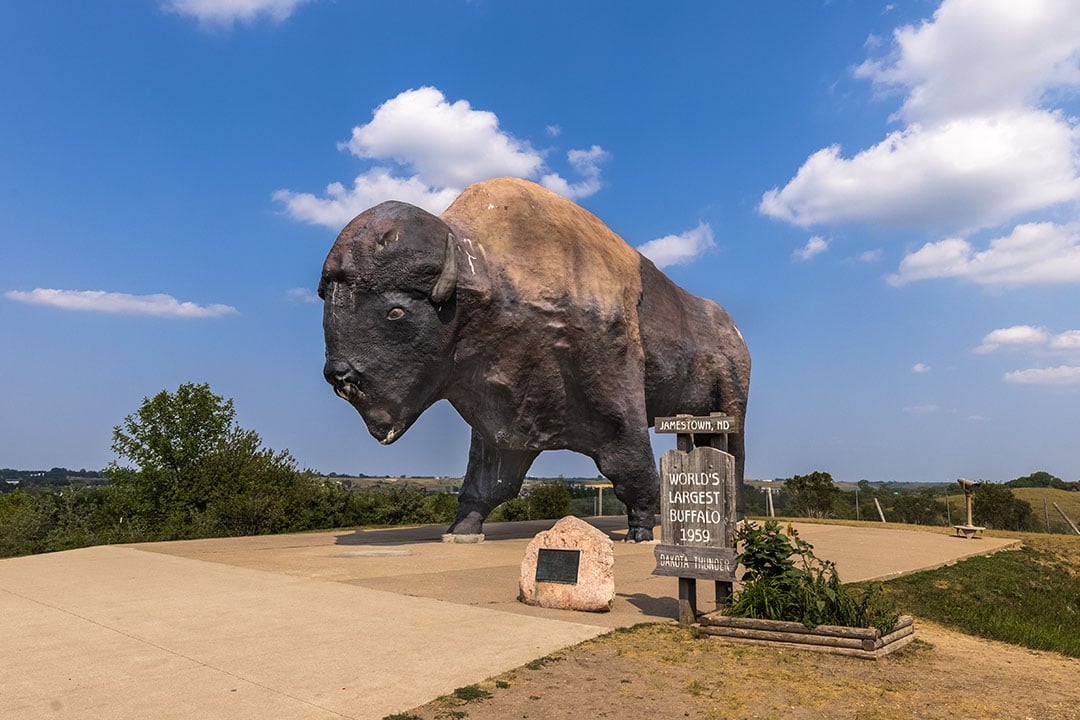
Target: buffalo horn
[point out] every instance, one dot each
(447, 282)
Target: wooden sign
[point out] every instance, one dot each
(690, 425)
(697, 515)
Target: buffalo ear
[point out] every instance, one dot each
(447, 282)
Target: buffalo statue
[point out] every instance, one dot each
(541, 327)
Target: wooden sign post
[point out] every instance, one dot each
(697, 509)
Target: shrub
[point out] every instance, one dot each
(784, 580)
(511, 510)
(549, 500)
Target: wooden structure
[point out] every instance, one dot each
(866, 643)
(697, 508)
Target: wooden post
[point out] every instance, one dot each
(687, 601)
(879, 511)
(1071, 523)
(694, 547)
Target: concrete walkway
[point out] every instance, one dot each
(326, 625)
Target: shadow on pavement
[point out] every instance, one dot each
(613, 525)
(653, 606)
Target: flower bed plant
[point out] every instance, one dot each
(784, 580)
(790, 597)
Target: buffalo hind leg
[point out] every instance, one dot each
(632, 471)
(494, 476)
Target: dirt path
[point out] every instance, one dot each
(662, 671)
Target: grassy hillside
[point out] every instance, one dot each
(1068, 501)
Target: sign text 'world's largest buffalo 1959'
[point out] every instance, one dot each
(697, 504)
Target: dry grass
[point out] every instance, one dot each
(1068, 501)
(666, 671)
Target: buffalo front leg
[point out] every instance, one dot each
(632, 471)
(494, 476)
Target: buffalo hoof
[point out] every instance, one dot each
(471, 524)
(636, 535)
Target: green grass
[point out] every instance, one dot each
(471, 693)
(1028, 597)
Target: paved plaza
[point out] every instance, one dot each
(338, 624)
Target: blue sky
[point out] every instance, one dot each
(886, 197)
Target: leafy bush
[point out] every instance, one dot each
(549, 500)
(510, 511)
(784, 580)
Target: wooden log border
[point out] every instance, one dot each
(866, 643)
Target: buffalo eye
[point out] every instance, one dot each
(395, 314)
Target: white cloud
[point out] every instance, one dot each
(587, 164)
(1061, 375)
(446, 144)
(1039, 341)
(920, 368)
(340, 205)
(813, 247)
(1030, 338)
(871, 256)
(1014, 337)
(430, 150)
(1034, 253)
(968, 173)
(226, 12)
(1068, 341)
(158, 305)
(980, 57)
(303, 295)
(678, 249)
(985, 141)
(928, 409)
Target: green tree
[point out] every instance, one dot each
(1042, 479)
(918, 509)
(996, 507)
(812, 495)
(25, 521)
(165, 440)
(197, 473)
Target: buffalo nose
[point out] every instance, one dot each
(339, 372)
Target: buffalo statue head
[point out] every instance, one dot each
(388, 290)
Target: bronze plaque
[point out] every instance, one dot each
(557, 566)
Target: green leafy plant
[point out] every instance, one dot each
(784, 580)
(471, 693)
